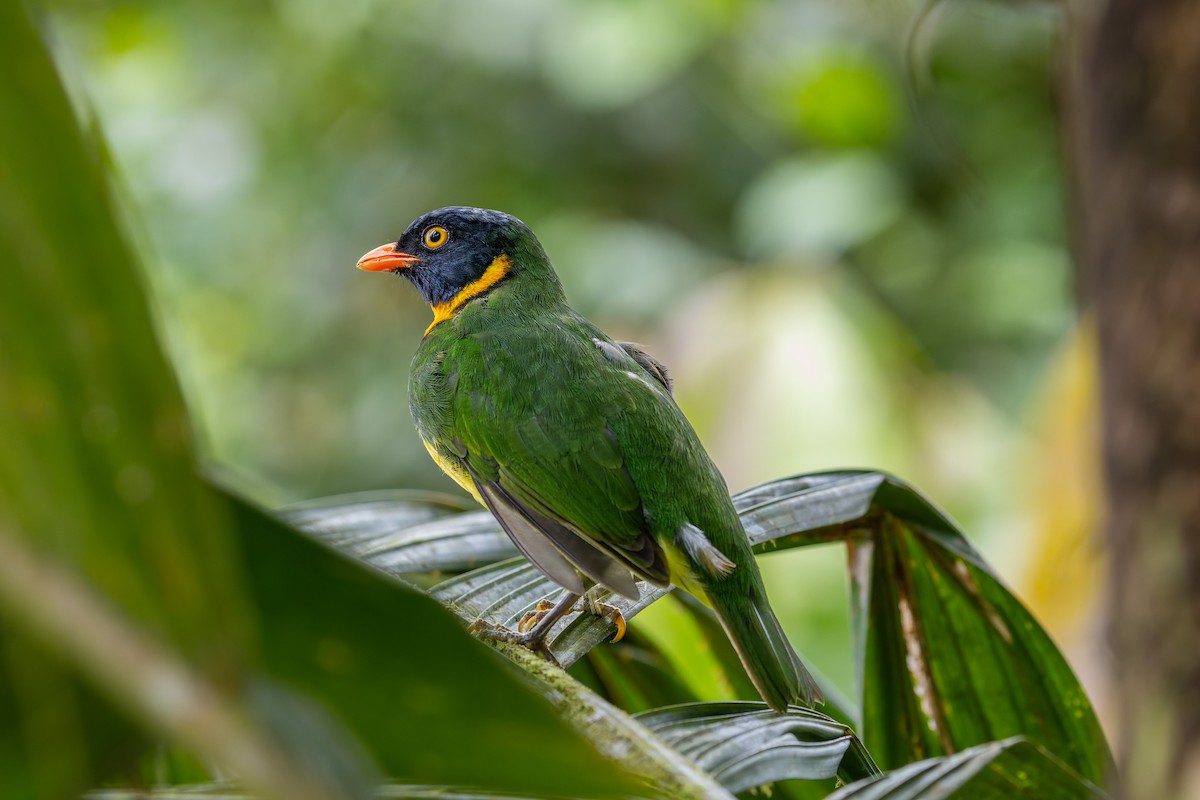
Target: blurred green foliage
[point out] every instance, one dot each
(843, 235)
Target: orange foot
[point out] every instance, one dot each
(609, 612)
(530, 619)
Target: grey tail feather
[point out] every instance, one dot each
(773, 666)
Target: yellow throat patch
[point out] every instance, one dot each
(490, 277)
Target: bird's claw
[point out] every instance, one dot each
(609, 612)
(530, 619)
(612, 614)
(615, 616)
(535, 625)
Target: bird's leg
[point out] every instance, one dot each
(533, 627)
(537, 623)
(545, 614)
(609, 612)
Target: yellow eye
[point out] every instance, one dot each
(436, 236)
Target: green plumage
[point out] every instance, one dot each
(574, 442)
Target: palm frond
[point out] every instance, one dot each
(1003, 770)
(925, 606)
(746, 744)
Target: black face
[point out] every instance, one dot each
(454, 246)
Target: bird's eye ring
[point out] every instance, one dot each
(435, 236)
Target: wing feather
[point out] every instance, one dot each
(554, 548)
(532, 543)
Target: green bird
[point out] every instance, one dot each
(571, 440)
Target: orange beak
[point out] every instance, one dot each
(386, 258)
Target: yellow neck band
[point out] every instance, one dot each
(490, 277)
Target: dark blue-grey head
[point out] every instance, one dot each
(447, 250)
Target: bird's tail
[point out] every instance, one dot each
(773, 666)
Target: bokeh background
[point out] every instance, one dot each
(840, 224)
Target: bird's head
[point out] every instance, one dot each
(456, 254)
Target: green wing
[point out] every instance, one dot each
(531, 426)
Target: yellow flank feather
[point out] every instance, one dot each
(490, 277)
(455, 471)
(682, 574)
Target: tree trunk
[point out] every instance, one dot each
(1137, 141)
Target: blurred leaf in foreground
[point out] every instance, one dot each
(418, 690)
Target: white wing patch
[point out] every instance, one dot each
(704, 552)
(623, 357)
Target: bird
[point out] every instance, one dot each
(572, 440)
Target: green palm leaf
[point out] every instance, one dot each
(1012, 768)
(746, 744)
(949, 658)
